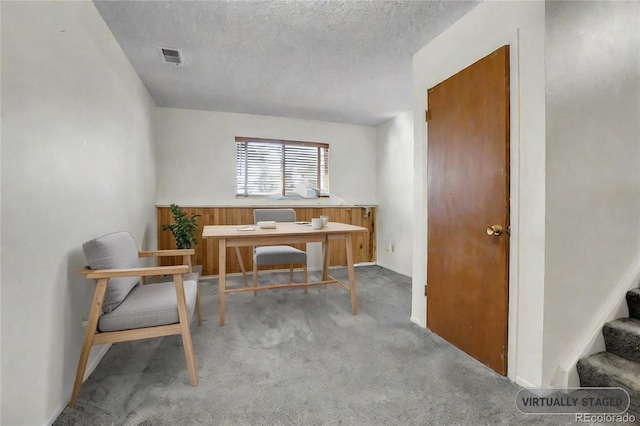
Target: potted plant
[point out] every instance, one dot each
(184, 228)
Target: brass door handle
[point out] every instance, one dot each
(494, 230)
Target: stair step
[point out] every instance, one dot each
(633, 302)
(622, 337)
(607, 369)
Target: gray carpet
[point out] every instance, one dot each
(286, 358)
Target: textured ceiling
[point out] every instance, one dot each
(343, 61)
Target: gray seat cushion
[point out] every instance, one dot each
(113, 251)
(278, 255)
(148, 306)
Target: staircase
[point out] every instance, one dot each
(619, 365)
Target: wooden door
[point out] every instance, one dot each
(468, 192)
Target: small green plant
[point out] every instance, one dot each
(184, 229)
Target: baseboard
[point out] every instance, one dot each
(90, 367)
(591, 340)
(381, 264)
(524, 383)
(417, 321)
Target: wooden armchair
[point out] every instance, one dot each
(124, 309)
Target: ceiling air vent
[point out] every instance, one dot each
(171, 56)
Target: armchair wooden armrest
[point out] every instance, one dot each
(185, 253)
(164, 253)
(132, 272)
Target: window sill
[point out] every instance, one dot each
(279, 198)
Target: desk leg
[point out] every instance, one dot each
(352, 274)
(222, 275)
(210, 258)
(325, 261)
(244, 272)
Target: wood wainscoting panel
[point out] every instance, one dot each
(364, 245)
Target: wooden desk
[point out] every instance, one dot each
(284, 233)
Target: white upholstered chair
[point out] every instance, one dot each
(277, 255)
(125, 309)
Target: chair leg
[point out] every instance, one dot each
(185, 328)
(291, 273)
(198, 309)
(255, 278)
(304, 271)
(82, 366)
(188, 352)
(90, 332)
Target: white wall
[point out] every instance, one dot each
(196, 155)
(394, 217)
(487, 27)
(78, 161)
(593, 168)
(0, 225)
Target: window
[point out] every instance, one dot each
(267, 167)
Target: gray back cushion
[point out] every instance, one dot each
(278, 215)
(113, 251)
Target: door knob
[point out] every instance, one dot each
(494, 230)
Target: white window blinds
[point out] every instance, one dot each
(267, 167)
